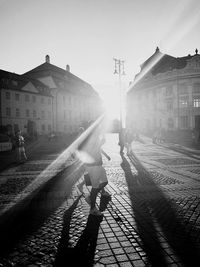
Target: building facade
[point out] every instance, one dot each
(46, 99)
(75, 102)
(166, 95)
(25, 104)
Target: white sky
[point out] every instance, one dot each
(87, 34)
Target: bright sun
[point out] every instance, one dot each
(112, 105)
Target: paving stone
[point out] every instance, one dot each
(108, 260)
(125, 264)
(133, 256)
(121, 257)
(139, 263)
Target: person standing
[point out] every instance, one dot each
(20, 147)
(121, 140)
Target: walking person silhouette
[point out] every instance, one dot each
(90, 152)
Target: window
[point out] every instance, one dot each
(8, 95)
(182, 90)
(34, 98)
(43, 114)
(27, 98)
(196, 88)
(17, 112)
(42, 100)
(61, 84)
(70, 100)
(49, 128)
(8, 112)
(184, 122)
(49, 114)
(170, 123)
(196, 102)
(169, 91)
(43, 127)
(34, 114)
(49, 101)
(27, 113)
(183, 102)
(17, 97)
(64, 114)
(169, 104)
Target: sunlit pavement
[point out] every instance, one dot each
(153, 218)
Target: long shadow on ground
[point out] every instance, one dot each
(191, 154)
(28, 215)
(157, 219)
(82, 254)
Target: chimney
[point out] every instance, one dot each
(68, 68)
(47, 59)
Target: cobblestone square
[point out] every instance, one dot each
(146, 223)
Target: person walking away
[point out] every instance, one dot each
(20, 147)
(83, 183)
(93, 166)
(129, 139)
(121, 141)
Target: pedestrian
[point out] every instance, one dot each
(121, 142)
(20, 147)
(92, 151)
(86, 180)
(128, 140)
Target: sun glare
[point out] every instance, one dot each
(111, 104)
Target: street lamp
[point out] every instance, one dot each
(119, 69)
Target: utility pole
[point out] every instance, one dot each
(119, 69)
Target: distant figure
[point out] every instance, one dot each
(128, 140)
(135, 134)
(20, 147)
(154, 138)
(51, 136)
(193, 137)
(157, 136)
(121, 142)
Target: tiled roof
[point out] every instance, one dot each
(165, 62)
(53, 69)
(13, 81)
(59, 74)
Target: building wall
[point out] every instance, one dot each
(74, 101)
(20, 107)
(169, 100)
(72, 110)
(68, 103)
